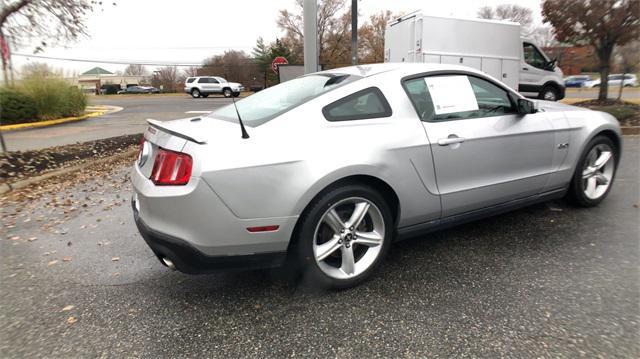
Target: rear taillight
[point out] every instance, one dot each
(171, 168)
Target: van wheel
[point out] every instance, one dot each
(227, 92)
(195, 93)
(549, 93)
(343, 237)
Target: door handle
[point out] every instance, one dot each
(452, 139)
(525, 69)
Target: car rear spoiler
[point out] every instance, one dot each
(157, 124)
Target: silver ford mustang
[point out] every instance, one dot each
(328, 169)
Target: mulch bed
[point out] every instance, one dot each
(18, 165)
(632, 111)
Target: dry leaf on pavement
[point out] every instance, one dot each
(72, 320)
(115, 259)
(68, 308)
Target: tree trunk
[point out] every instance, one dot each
(604, 55)
(621, 86)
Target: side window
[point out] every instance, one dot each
(483, 98)
(533, 57)
(203, 80)
(364, 104)
(190, 80)
(214, 80)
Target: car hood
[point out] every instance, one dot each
(551, 106)
(234, 84)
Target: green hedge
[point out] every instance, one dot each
(41, 98)
(16, 107)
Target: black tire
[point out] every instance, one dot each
(576, 194)
(236, 94)
(195, 93)
(205, 95)
(549, 93)
(302, 248)
(227, 92)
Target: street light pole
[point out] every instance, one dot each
(310, 19)
(354, 32)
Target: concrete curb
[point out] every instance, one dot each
(99, 111)
(8, 187)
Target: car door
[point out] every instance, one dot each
(533, 70)
(484, 152)
(216, 86)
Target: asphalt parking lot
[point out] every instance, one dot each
(546, 281)
(135, 110)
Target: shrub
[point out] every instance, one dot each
(54, 97)
(16, 107)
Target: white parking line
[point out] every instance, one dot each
(198, 111)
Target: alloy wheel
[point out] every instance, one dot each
(597, 171)
(349, 238)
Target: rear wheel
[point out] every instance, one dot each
(344, 236)
(594, 174)
(236, 94)
(195, 93)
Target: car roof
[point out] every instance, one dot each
(402, 68)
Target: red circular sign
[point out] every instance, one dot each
(279, 60)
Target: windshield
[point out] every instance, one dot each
(265, 105)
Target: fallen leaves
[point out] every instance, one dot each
(66, 259)
(72, 320)
(115, 259)
(68, 308)
(53, 262)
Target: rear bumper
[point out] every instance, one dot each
(191, 226)
(188, 259)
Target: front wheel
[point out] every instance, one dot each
(344, 237)
(549, 93)
(227, 93)
(195, 93)
(594, 174)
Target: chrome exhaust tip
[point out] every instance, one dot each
(168, 263)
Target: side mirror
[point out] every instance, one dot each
(551, 65)
(526, 107)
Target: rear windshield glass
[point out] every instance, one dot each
(266, 105)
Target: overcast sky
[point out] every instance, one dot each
(187, 31)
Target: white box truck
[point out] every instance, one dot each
(494, 47)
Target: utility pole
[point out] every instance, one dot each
(310, 29)
(354, 32)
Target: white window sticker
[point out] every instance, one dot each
(451, 94)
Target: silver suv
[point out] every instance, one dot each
(203, 86)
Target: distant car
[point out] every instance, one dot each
(629, 80)
(203, 86)
(577, 80)
(139, 89)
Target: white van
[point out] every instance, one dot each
(494, 47)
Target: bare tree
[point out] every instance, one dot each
(544, 36)
(329, 25)
(628, 60)
(45, 20)
(167, 77)
(135, 70)
(511, 12)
